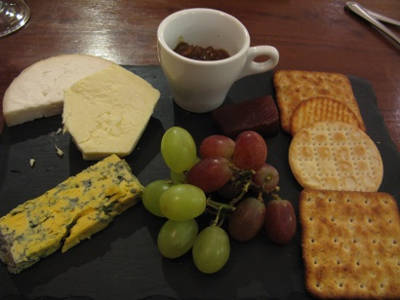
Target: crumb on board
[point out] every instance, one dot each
(59, 151)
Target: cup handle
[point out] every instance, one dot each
(252, 67)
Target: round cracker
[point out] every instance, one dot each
(317, 109)
(333, 155)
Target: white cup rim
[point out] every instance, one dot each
(165, 22)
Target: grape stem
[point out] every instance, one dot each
(218, 205)
(276, 197)
(256, 186)
(245, 189)
(220, 218)
(241, 174)
(221, 211)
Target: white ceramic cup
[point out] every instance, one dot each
(202, 86)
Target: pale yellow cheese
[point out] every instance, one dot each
(107, 112)
(38, 91)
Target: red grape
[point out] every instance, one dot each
(250, 151)
(217, 145)
(280, 221)
(267, 178)
(247, 219)
(230, 190)
(210, 174)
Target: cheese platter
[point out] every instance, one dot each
(123, 259)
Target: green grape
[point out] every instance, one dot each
(211, 249)
(181, 177)
(151, 196)
(177, 237)
(178, 149)
(182, 202)
(177, 177)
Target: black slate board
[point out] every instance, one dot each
(122, 261)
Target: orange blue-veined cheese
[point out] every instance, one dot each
(72, 211)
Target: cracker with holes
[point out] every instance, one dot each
(294, 86)
(350, 244)
(321, 109)
(334, 155)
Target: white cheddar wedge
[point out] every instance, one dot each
(107, 112)
(38, 91)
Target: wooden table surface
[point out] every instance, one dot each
(310, 35)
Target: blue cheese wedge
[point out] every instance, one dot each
(67, 214)
(39, 90)
(107, 112)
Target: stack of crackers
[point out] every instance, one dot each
(350, 231)
(330, 148)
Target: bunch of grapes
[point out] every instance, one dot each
(226, 168)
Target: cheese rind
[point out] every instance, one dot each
(107, 112)
(38, 91)
(72, 211)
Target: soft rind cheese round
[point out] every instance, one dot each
(107, 112)
(38, 91)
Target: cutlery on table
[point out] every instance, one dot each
(374, 18)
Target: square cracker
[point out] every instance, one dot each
(350, 244)
(294, 86)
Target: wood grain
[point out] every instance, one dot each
(310, 35)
